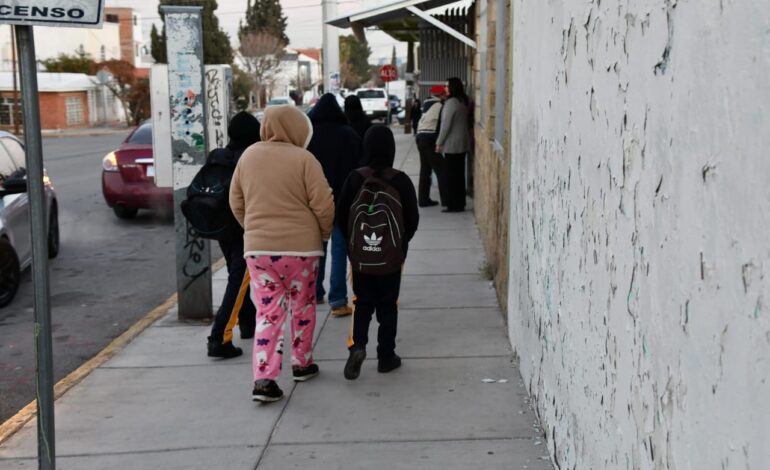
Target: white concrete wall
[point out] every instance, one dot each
(640, 207)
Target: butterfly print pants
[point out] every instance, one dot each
(279, 285)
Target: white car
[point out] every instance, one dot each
(374, 101)
(281, 100)
(15, 240)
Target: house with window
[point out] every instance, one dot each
(67, 100)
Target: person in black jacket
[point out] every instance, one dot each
(236, 305)
(354, 111)
(338, 148)
(377, 292)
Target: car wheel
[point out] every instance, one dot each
(124, 212)
(53, 232)
(10, 273)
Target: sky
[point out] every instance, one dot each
(304, 22)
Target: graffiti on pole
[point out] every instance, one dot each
(187, 113)
(218, 87)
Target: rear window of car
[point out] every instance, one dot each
(141, 136)
(370, 94)
(277, 102)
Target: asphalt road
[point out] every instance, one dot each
(109, 273)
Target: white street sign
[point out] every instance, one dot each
(68, 13)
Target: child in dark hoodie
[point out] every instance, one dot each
(236, 305)
(377, 292)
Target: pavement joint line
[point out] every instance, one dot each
(475, 274)
(13, 424)
(134, 452)
(425, 358)
(407, 441)
(288, 399)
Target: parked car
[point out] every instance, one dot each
(128, 177)
(15, 239)
(395, 104)
(374, 101)
(281, 100)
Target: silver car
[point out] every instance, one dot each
(15, 236)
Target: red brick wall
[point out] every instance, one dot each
(53, 109)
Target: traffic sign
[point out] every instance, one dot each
(388, 73)
(67, 13)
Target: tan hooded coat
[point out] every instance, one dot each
(279, 193)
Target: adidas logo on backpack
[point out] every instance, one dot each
(376, 225)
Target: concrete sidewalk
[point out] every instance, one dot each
(162, 404)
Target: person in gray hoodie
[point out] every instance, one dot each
(453, 142)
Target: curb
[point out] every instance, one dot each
(13, 424)
(90, 133)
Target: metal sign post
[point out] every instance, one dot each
(184, 46)
(46, 450)
(25, 13)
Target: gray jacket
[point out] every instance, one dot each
(453, 137)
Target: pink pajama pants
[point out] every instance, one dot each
(280, 284)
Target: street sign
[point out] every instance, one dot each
(67, 13)
(388, 73)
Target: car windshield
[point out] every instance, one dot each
(370, 94)
(274, 102)
(141, 136)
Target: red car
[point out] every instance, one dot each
(128, 177)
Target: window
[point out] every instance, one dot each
(74, 108)
(12, 159)
(370, 94)
(483, 74)
(7, 112)
(135, 21)
(141, 136)
(7, 168)
(111, 18)
(501, 65)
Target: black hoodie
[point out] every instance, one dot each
(334, 144)
(380, 152)
(354, 111)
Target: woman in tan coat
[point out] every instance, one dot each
(280, 196)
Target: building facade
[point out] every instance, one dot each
(621, 191)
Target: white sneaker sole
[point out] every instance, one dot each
(305, 378)
(265, 398)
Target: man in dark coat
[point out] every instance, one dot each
(377, 292)
(236, 305)
(338, 148)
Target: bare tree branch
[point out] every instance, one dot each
(261, 54)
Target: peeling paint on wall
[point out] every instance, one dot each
(639, 207)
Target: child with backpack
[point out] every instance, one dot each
(377, 210)
(207, 209)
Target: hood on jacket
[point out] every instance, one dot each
(286, 124)
(327, 110)
(243, 130)
(379, 147)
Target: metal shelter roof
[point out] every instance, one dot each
(398, 19)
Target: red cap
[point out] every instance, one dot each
(437, 90)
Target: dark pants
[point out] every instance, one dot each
(430, 161)
(455, 169)
(380, 294)
(236, 303)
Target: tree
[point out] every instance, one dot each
(265, 16)
(133, 94)
(243, 85)
(261, 54)
(354, 61)
(79, 62)
(216, 43)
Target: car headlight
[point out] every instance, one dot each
(110, 162)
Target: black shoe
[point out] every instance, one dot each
(223, 350)
(266, 391)
(303, 374)
(389, 364)
(353, 366)
(429, 203)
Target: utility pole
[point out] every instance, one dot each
(184, 46)
(331, 47)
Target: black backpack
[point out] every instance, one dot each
(207, 206)
(376, 225)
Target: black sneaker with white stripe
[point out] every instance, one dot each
(266, 391)
(302, 374)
